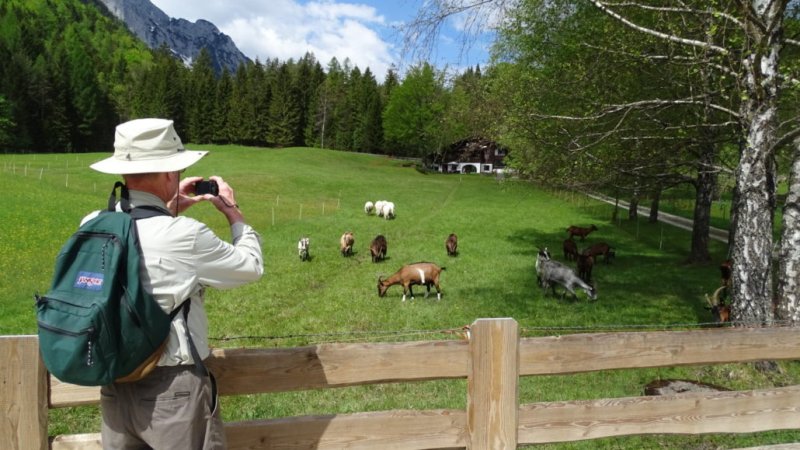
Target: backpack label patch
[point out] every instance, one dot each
(89, 280)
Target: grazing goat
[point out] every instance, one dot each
(421, 273)
(580, 231)
(378, 248)
(346, 243)
(543, 255)
(553, 272)
(368, 207)
(302, 248)
(601, 248)
(570, 250)
(451, 244)
(719, 310)
(585, 264)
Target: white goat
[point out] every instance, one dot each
(368, 207)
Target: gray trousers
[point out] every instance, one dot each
(169, 409)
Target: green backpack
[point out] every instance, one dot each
(98, 324)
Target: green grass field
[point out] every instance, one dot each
(289, 193)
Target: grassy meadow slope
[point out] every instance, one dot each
(294, 192)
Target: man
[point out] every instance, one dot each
(175, 406)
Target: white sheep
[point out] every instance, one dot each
(368, 207)
(379, 207)
(388, 210)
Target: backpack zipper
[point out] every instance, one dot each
(109, 237)
(88, 331)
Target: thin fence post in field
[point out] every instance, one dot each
(301, 211)
(41, 172)
(493, 384)
(323, 208)
(273, 216)
(23, 394)
(66, 181)
(277, 200)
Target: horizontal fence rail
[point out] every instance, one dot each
(492, 360)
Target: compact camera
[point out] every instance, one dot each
(206, 187)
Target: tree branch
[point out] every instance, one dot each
(602, 6)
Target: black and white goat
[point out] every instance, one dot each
(550, 273)
(302, 248)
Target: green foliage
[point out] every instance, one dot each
(6, 122)
(64, 66)
(412, 120)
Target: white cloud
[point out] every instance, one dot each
(286, 29)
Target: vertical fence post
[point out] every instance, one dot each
(493, 393)
(23, 394)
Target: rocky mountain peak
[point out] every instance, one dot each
(183, 37)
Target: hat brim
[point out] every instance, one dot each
(173, 163)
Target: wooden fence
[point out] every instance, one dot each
(492, 361)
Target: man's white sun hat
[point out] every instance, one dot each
(147, 146)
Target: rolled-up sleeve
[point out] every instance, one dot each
(223, 265)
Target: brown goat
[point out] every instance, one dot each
(600, 248)
(451, 244)
(421, 273)
(719, 310)
(726, 270)
(346, 243)
(570, 250)
(580, 231)
(585, 264)
(378, 248)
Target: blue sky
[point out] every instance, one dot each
(362, 30)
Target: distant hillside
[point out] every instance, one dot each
(185, 39)
(64, 76)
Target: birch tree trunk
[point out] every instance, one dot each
(788, 290)
(755, 174)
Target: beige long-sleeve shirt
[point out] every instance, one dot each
(182, 257)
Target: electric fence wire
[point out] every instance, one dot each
(463, 332)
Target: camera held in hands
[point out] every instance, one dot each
(206, 187)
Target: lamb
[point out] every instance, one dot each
(368, 207)
(451, 244)
(421, 273)
(601, 248)
(302, 248)
(570, 250)
(378, 248)
(553, 272)
(579, 231)
(346, 243)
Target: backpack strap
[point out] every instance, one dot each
(124, 197)
(138, 212)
